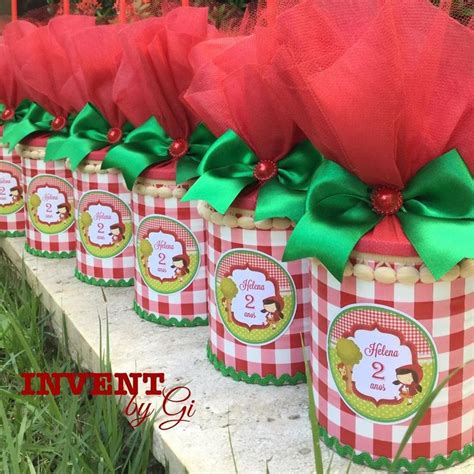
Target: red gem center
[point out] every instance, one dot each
(265, 170)
(386, 200)
(58, 123)
(7, 114)
(178, 148)
(114, 135)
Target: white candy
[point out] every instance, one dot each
(385, 275)
(230, 220)
(348, 269)
(426, 276)
(217, 218)
(364, 272)
(178, 193)
(246, 222)
(151, 191)
(281, 224)
(89, 169)
(467, 268)
(452, 274)
(164, 192)
(408, 275)
(265, 224)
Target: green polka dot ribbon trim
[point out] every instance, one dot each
(242, 376)
(153, 318)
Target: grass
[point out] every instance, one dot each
(63, 434)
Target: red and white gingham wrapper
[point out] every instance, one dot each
(64, 243)
(284, 356)
(120, 268)
(12, 223)
(190, 303)
(445, 310)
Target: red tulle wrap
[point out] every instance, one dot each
(11, 93)
(229, 91)
(381, 91)
(96, 56)
(42, 61)
(382, 88)
(155, 71)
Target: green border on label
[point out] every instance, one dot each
(15, 207)
(66, 224)
(95, 250)
(284, 327)
(196, 256)
(395, 313)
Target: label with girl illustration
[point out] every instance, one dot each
(104, 224)
(383, 362)
(256, 296)
(168, 254)
(50, 204)
(11, 190)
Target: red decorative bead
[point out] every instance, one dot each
(265, 170)
(386, 200)
(178, 148)
(58, 123)
(7, 114)
(114, 135)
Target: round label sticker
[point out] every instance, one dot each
(167, 253)
(104, 224)
(383, 362)
(50, 204)
(255, 296)
(11, 190)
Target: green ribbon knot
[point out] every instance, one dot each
(228, 168)
(437, 215)
(149, 144)
(31, 118)
(88, 133)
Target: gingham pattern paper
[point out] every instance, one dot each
(12, 222)
(119, 267)
(191, 302)
(446, 311)
(63, 242)
(285, 354)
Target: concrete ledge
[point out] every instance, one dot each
(269, 425)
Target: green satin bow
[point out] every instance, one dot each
(228, 168)
(149, 144)
(88, 133)
(30, 118)
(437, 216)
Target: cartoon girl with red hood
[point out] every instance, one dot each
(273, 307)
(16, 193)
(64, 211)
(117, 232)
(409, 378)
(181, 266)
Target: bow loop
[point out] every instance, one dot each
(230, 166)
(438, 222)
(149, 144)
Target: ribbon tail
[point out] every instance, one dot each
(440, 243)
(54, 148)
(14, 133)
(186, 169)
(275, 200)
(136, 161)
(76, 148)
(219, 189)
(316, 234)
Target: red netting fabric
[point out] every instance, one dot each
(42, 62)
(381, 90)
(11, 93)
(155, 71)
